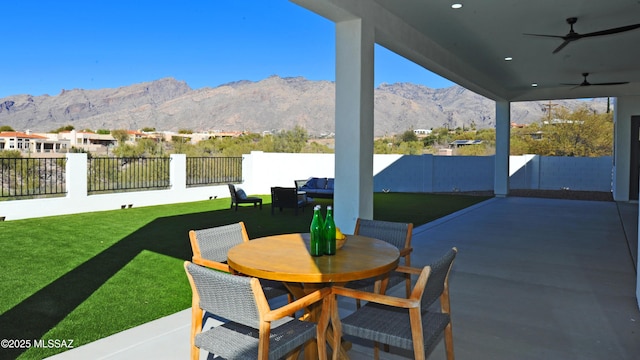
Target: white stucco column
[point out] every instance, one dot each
(624, 108)
(177, 172)
(353, 195)
(503, 130)
(76, 171)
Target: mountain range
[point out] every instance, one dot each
(272, 104)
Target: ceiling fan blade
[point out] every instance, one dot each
(575, 86)
(543, 35)
(565, 43)
(612, 83)
(611, 31)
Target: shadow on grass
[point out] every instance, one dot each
(32, 318)
(35, 316)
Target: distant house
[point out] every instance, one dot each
(97, 143)
(422, 132)
(459, 143)
(135, 135)
(32, 143)
(538, 135)
(562, 121)
(195, 138)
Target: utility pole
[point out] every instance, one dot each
(549, 106)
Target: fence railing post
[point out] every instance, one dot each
(76, 175)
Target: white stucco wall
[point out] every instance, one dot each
(396, 173)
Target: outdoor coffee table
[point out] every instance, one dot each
(286, 258)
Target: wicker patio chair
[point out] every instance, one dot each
(253, 330)
(239, 197)
(282, 197)
(395, 233)
(405, 323)
(210, 247)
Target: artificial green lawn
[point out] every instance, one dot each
(87, 276)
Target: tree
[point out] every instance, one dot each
(578, 133)
(63, 129)
(290, 141)
(6, 128)
(120, 135)
(316, 148)
(8, 154)
(410, 148)
(408, 136)
(384, 146)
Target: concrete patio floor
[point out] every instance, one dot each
(534, 279)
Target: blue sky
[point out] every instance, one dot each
(67, 44)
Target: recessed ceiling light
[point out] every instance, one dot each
(534, 85)
(456, 6)
(508, 58)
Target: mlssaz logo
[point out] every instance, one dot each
(53, 343)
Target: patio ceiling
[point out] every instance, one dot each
(469, 45)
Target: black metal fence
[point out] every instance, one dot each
(22, 178)
(127, 174)
(213, 170)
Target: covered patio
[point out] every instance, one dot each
(488, 48)
(534, 279)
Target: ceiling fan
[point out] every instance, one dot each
(573, 36)
(585, 82)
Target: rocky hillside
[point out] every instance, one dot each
(268, 105)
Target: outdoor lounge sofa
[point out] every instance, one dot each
(316, 187)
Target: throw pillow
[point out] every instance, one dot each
(321, 183)
(330, 183)
(241, 194)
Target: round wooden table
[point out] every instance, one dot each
(287, 258)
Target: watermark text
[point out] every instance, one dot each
(36, 343)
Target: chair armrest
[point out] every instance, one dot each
(406, 251)
(211, 264)
(299, 304)
(408, 270)
(376, 298)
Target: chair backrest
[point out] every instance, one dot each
(438, 278)
(229, 296)
(232, 191)
(395, 233)
(214, 243)
(285, 197)
(299, 183)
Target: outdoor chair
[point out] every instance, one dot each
(253, 330)
(395, 233)
(210, 247)
(404, 323)
(282, 197)
(238, 196)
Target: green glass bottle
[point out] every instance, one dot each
(322, 237)
(316, 232)
(329, 233)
